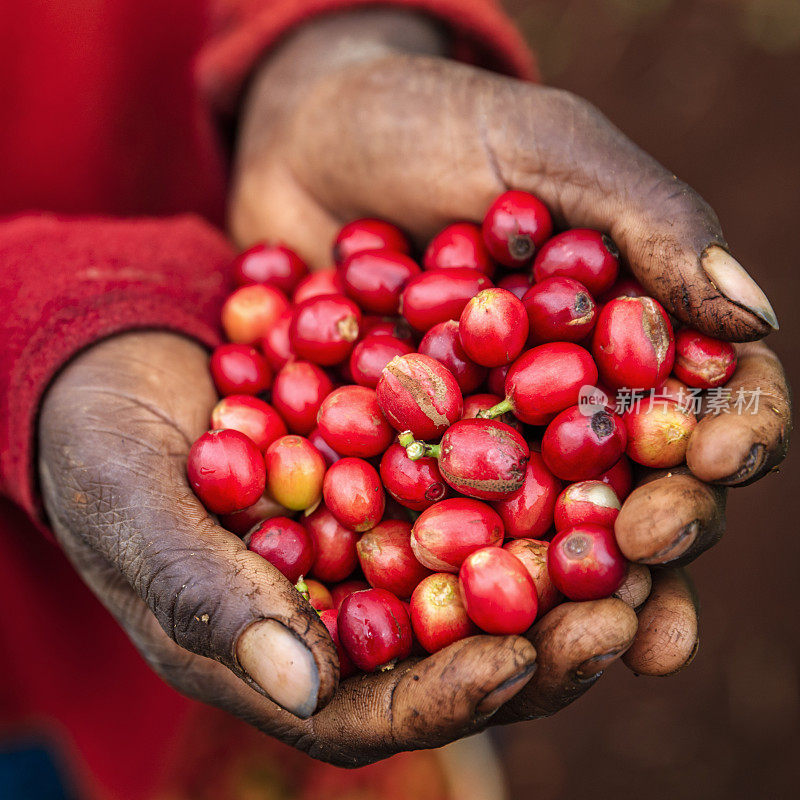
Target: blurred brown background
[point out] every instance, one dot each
(712, 89)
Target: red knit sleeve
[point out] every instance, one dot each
(481, 34)
(66, 283)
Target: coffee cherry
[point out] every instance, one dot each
(285, 544)
(319, 597)
(372, 354)
(324, 329)
(443, 343)
(577, 447)
(496, 380)
(334, 546)
(493, 327)
(325, 450)
(374, 629)
(250, 311)
(414, 484)
(438, 616)
(298, 392)
(559, 310)
(346, 666)
(368, 234)
(317, 284)
(585, 562)
(239, 369)
(417, 393)
(581, 254)
(253, 417)
(352, 423)
(342, 590)
(498, 592)
(619, 478)
(633, 343)
(624, 286)
(353, 493)
(440, 294)
(702, 361)
(275, 344)
(518, 283)
(241, 522)
(396, 327)
(459, 245)
(376, 278)
(474, 404)
(586, 502)
(528, 512)
(446, 533)
(387, 559)
(226, 471)
(516, 225)
(658, 433)
(294, 472)
(274, 265)
(532, 553)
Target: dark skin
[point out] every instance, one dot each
(360, 115)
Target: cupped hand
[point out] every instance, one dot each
(361, 116)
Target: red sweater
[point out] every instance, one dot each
(107, 107)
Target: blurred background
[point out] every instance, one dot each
(711, 88)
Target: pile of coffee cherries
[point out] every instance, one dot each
(433, 451)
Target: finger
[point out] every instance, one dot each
(751, 436)
(424, 704)
(668, 638)
(113, 474)
(452, 137)
(575, 643)
(671, 516)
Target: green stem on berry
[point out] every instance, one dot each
(302, 587)
(416, 450)
(503, 407)
(405, 438)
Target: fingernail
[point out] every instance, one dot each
(592, 668)
(505, 691)
(677, 547)
(281, 665)
(753, 463)
(730, 277)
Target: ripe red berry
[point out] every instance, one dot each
(446, 533)
(250, 311)
(585, 562)
(396, 327)
(372, 354)
(376, 278)
(374, 629)
(334, 546)
(474, 404)
(633, 343)
(275, 265)
(317, 284)
(324, 329)
(275, 343)
(577, 446)
(417, 393)
(533, 555)
(240, 522)
(325, 450)
(559, 310)
(226, 471)
(516, 225)
(239, 369)
(586, 502)
(414, 484)
(443, 343)
(345, 589)
(352, 423)
(658, 433)
(496, 380)
(619, 478)
(702, 361)
(368, 234)
(253, 417)
(459, 245)
(498, 592)
(387, 559)
(285, 544)
(440, 294)
(318, 596)
(353, 492)
(585, 255)
(545, 380)
(295, 470)
(298, 392)
(481, 458)
(517, 283)
(346, 666)
(438, 616)
(529, 511)
(625, 286)
(493, 327)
